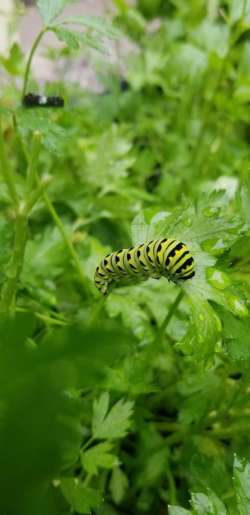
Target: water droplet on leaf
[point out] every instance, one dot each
(237, 306)
(210, 211)
(217, 278)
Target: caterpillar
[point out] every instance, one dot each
(33, 100)
(165, 257)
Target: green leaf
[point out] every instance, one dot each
(133, 316)
(37, 439)
(208, 232)
(178, 510)
(242, 485)
(114, 424)
(213, 37)
(97, 24)
(112, 149)
(88, 350)
(13, 64)
(54, 137)
(204, 329)
(98, 456)
(5, 111)
(239, 9)
(74, 39)
(50, 9)
(40, 439)
(208, 504)
(236, 333)
(81, 498)
(45, 252)
(100, 410)
(70, 37)
(207, 222)
(118, 485)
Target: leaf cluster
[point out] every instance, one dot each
(138, 403)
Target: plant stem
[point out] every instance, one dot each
(87, 479)
(36, 194)
(31, 171)
(244, 7)
(28, 65)
(172, 487)
(168, 426)
(87, 444)
(6, 172)
(68, 242)
(22, 211)
(169, 315)
(15, 265)
(221, 432)
(45, 318)
(96, 310)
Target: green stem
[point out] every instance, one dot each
(37, 194)
(68, 243)
(228, 431)
(87, 444)
(45, 318)
(87, 479)
(15, 265)
(168, 426)
(6, 172)
(29, 62)
(169, 315)
(172, 487)
(31, 172)
(175, 438)
(22, 211)
(96, 310)
(244, 7)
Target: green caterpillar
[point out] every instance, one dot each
(165, 257)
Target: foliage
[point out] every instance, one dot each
(139, 402)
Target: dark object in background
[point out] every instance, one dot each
(33, 100)
(235, 375)
(124, 85)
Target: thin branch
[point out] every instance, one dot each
(29, 62)
(6, 172)
(87, 443)
(31, 171)
(96, 311)
(15, 265)
(37, 194)
(68, 242)
(172, 487)
(45, 318)
(169, 315)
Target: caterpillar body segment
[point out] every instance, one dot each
(165, 257)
